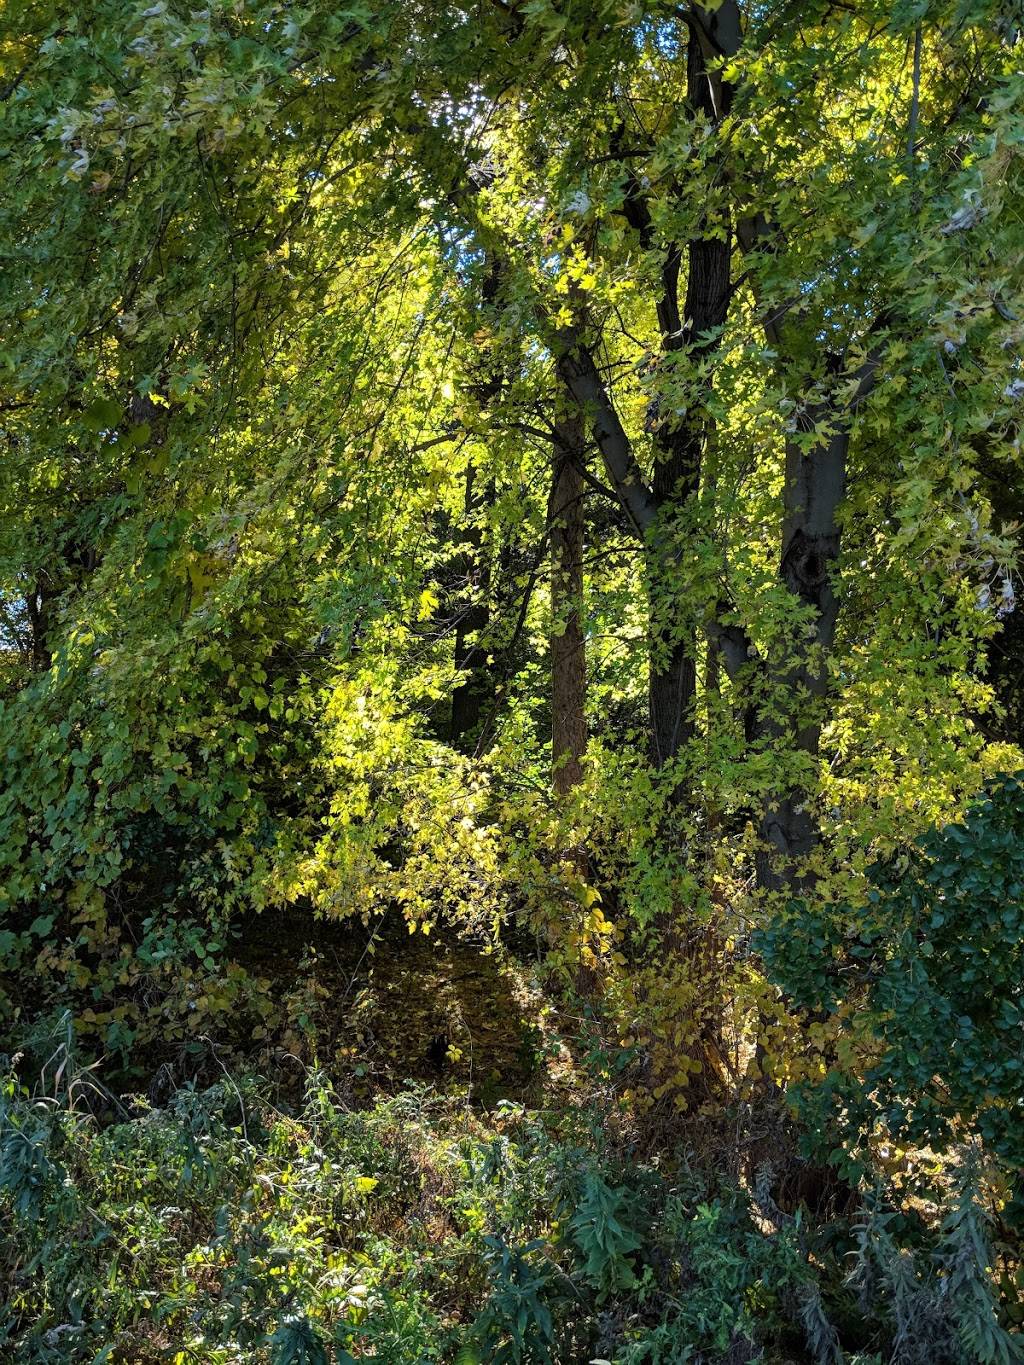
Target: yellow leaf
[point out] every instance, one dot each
(428, 604)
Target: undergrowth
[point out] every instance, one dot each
(226, 1227)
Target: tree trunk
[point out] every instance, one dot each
(37, 605)
(470, 652)
(799, 679)
(672, 687)
(1004, 669)
(679, 443)
(470, 655)
(568, 648)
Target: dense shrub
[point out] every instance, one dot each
(930, 969)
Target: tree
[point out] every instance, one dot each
(323, 328)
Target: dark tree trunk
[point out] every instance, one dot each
(1005, 655)
(1004, 671)
(679, 443)
(799, 678)
(568, 648)
(37, 605)
(470, 694)
(672, 687)
(474, 567)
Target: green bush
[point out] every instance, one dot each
(931, 966)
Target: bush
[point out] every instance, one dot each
(929, 973)
(220, 1228)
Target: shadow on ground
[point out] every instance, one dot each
(378, 1007)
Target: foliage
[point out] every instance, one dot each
(939, 1297)
(930, 967)
(223, 1228)
(601, 1231)
(277, 361)
(309, 317)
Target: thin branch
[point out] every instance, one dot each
(595, 484)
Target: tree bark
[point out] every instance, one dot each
(475, 567)
(679, 444)
(37, 605)
(815, 483)
(1004, 668)
(656, 511)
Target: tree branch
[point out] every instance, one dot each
(733, 642)
(579, 373)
